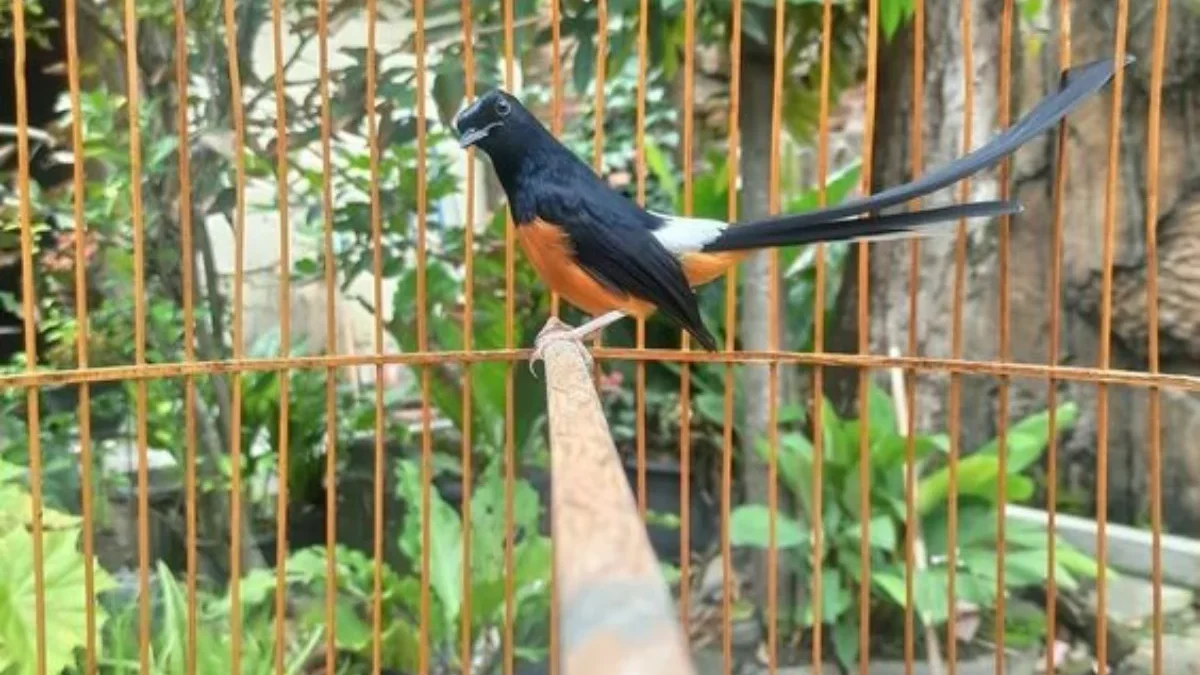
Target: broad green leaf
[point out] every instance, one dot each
(893, 585)
(795, 459)
(977, 475)
(65, 601)
(881, 533)
(836, 598)
(656, 161)
(750, 526)
(1028, 438)
(845, 639)
(445, 539)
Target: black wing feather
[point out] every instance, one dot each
(613, 243)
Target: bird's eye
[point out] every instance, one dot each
(503, 108)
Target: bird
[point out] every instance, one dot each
(612, 258)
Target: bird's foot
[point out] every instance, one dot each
(557, 331)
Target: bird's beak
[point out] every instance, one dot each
(472, 136)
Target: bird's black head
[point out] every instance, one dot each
(495, 122)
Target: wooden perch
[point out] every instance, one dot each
(615, 614)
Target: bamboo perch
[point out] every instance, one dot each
(615, 614)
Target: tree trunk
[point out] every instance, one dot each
(890, 261)
(1093, 26)
(756, 104)
(1035, 73)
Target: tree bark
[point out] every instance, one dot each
(757, 78)
(1035, 72)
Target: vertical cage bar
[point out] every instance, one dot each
(1004, 102)
(556, 129)
(685, 369)
(377, 293)
(1153, 151)
(510, 433)
(330, 337)
(28, 312)
(1060, 188)
(81, 344)
(468, 327)
(139, 330)
(732, 170)
(816, 601)
(955, 412)
(423, 657)
(598, 111)
(773, 345)
(235, 433)
(285, 336)
(1106, 283)
(912, 551)
(864, 331)
(639, 376)
(187, 258)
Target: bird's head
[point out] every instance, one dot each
(494, 122)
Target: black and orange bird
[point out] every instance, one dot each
(612, 259)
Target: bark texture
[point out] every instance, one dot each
(1034, 73)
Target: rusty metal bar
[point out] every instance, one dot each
(1106, 283)
(468, 321)
(732, 171)
(1154, 142)
(1060, 188)
(1004, 95)
(1033, 371)
(818, 373)
(377, 292)
(955, 412)
(28, 313)
(615, 612)
(911, 554)
(773, 198)
(864, 335)
(285, 336)
(86, 456)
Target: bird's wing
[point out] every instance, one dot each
(612, 241)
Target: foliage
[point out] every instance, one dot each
(977, 514)
(169, 642)
(63, 598)
(401, 588)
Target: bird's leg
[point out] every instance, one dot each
(555, 330)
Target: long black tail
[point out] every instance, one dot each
(834, 223)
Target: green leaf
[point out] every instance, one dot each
(750, 526)
(836, 598)
(445, 540)
(977, 475)
(890, 13)
(1028, 438)
(881, 533)
(65, 602)
(795, 460)
(845, 639)
(893, 586)
(656, 161)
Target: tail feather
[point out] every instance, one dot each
(871, 228)
(791, 229)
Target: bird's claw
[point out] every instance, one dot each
(557, 331)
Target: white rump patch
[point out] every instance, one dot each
(680, 234)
